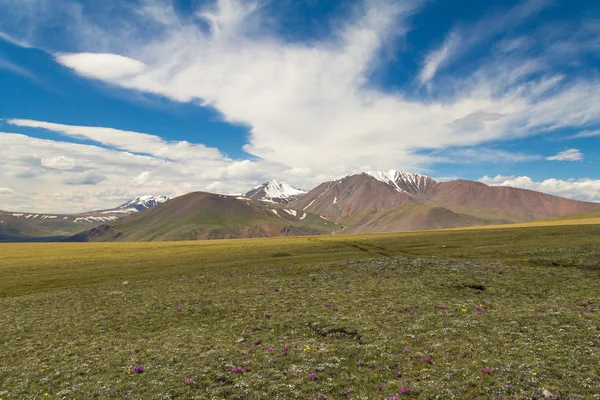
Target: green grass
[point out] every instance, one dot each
(77, 318)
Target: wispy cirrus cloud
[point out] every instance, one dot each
(463, 39)
(126, 140)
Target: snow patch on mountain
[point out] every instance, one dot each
(139, 204)
(398, 179)
(274, 191)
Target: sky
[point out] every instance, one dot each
(103, 101)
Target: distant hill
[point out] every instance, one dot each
(22, 226)
(201, 215)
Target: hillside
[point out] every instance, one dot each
(201, 215)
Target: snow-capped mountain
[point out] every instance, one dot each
(274, 191)
(138, 204)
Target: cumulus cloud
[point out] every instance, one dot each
(104, 177)
(567, 155)
(578, 189)
(5, 190)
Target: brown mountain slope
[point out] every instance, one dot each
(337, 200)
(462, 193)
(382, 202)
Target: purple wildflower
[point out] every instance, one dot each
(349, 390)
(405, 390)
(406, 351)
(178, 308)
(427, 358)
(313, 376)
(379, 386)
(255, 328)
(138, 369)
(443, 306)
(326, 305)
(298, 314)
(269, 350)
(479, 308)
(189, 381)
(257, 341)
(269, 315)
(486, 370)
(394, 398)
(284, 351)
(237, 369)
(360, 362)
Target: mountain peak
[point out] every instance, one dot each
(274, 191)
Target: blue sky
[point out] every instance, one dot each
(103, 101)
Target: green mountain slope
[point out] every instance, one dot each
(202, 215)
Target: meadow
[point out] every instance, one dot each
(472, 313)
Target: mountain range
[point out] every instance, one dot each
(373, 201)
(24, 226)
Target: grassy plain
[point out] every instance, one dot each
(469, 313)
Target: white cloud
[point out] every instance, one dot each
(578, 189)
(60, 162)
(567, 155)
(5, 190)
(102, 66)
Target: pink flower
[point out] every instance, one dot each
(405, 390)
(313, 376)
